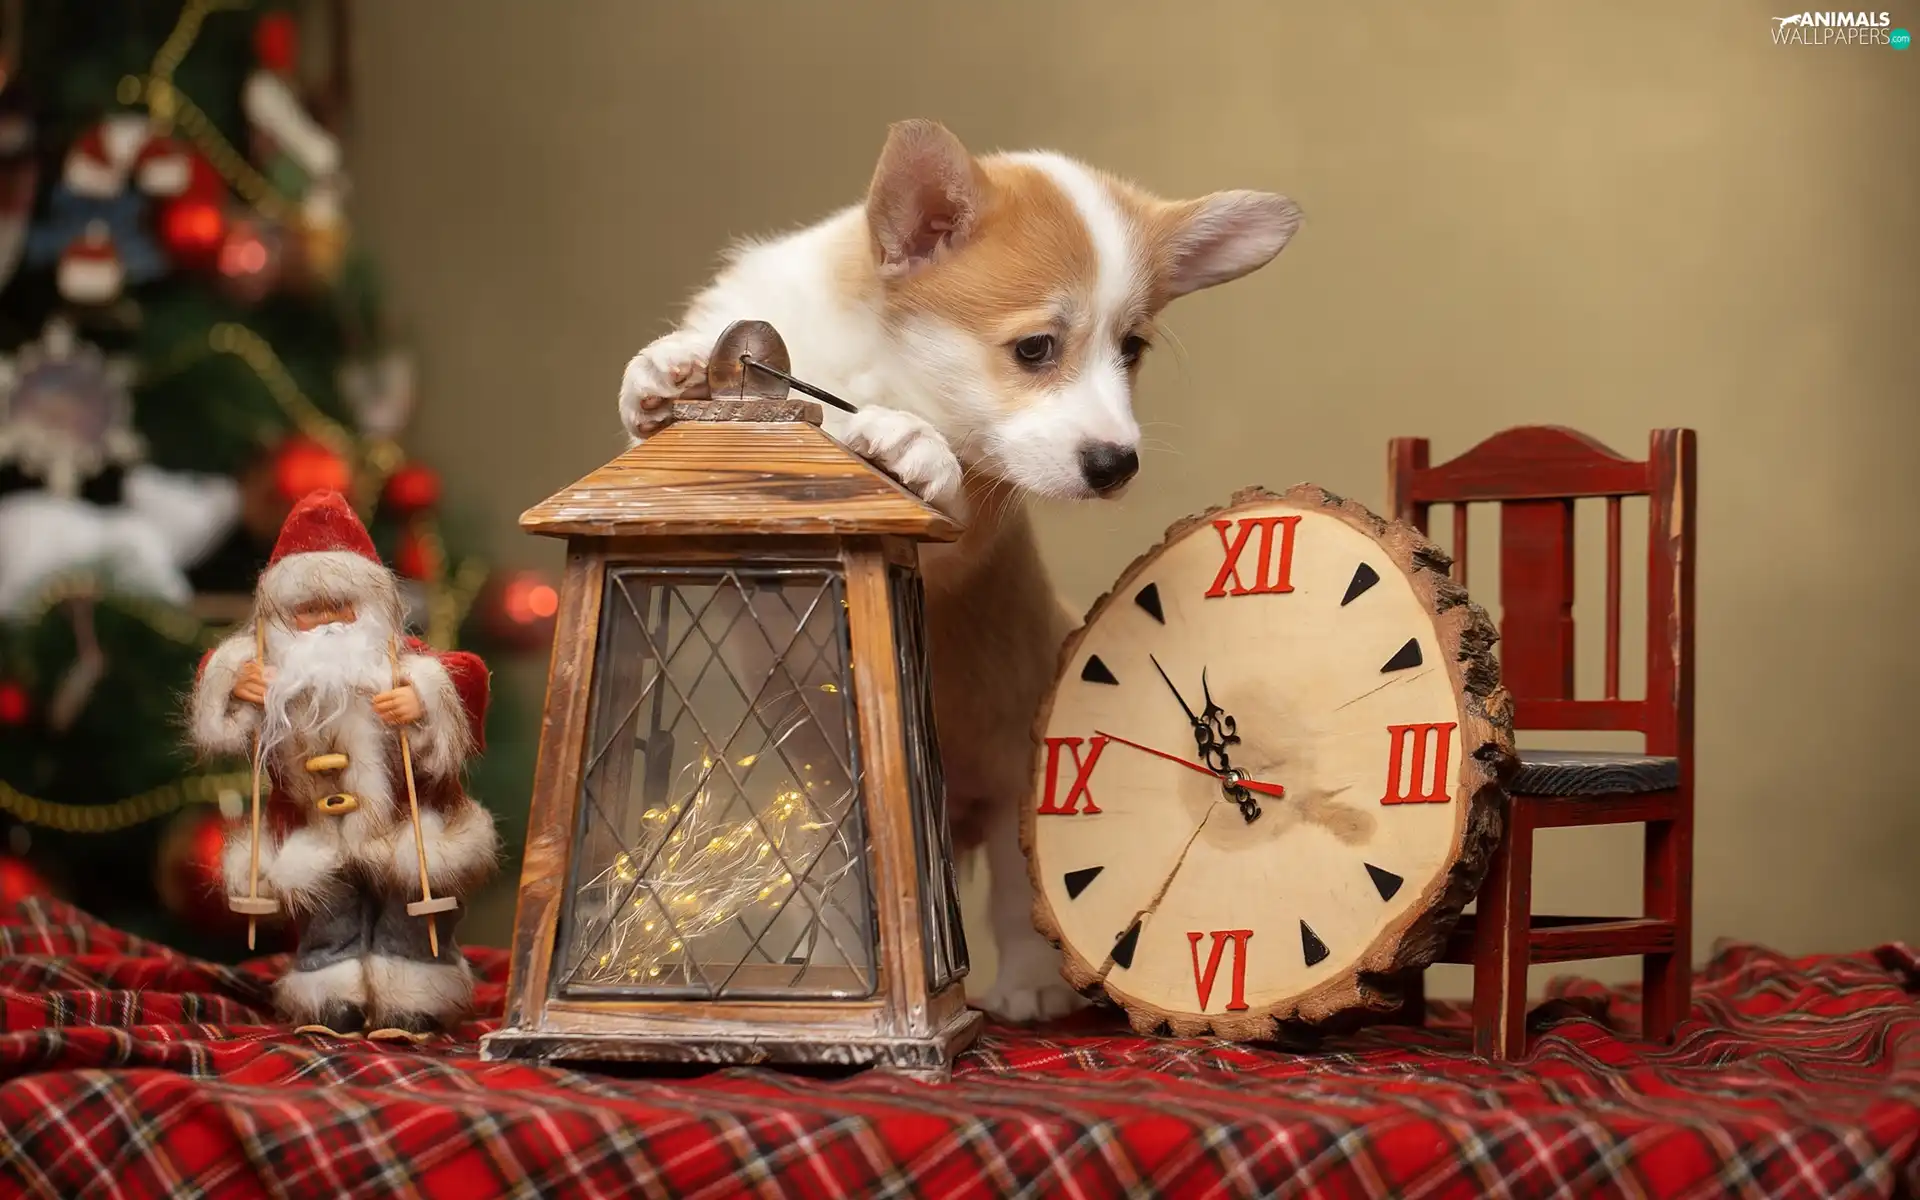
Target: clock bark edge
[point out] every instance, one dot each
(1466, 636)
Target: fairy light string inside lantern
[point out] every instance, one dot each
(695, 868)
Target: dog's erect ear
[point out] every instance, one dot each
(924, 196)
(1219, 238)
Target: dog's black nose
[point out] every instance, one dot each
(1107, 465)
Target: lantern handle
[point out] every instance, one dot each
(745, 349)
(799, 385)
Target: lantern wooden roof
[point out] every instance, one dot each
(724, 467)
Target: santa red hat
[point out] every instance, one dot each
(324, 551)
(164, 167)
(101, 158)
(90, 271)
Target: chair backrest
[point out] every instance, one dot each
(1535, 473)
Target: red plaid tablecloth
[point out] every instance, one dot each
(131, 1070)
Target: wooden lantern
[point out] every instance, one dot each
(738, 847)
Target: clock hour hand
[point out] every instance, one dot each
(1251, 785)
(1218, 721)
(1212, 734)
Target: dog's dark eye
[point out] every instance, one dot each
(1035, 351)
(1131, 348)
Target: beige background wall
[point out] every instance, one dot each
(1613, 216)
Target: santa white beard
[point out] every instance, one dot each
(322, 679)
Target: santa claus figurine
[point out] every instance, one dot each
(341, 708)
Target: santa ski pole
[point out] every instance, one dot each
(253, 904)
(428, 904)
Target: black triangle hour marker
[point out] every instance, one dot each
(1123, 949)
(1311, 947)
(1077, 881)
(1148, 598)
(1364, 577)
(1384, 882)
(1096, 671)
(1406, 656)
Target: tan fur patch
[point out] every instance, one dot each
(1028, 267)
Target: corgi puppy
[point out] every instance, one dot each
(988, 316)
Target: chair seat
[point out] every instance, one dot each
(1592, 773)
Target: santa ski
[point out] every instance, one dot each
(339, 684)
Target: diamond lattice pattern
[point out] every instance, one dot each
(721, 852)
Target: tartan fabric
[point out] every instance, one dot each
(129, 1070)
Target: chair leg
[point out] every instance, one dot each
(1501, 935)
(1667, 991)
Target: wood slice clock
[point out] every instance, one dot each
(1268, 777)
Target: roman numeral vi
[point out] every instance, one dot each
(1203, 980)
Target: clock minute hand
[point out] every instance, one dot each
(1184, 706)
(1252, 785)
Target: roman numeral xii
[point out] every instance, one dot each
(1273, 572)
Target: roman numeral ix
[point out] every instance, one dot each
(1081, 788)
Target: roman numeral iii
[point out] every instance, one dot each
(1405, 786)
(1203, 980)
(1274, 570)
(1081, 787)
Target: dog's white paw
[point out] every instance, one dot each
(1030, 989)
(911, 450)
(673, 367)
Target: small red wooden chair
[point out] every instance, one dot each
(1535, 473)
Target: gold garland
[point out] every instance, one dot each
(378, 458)
(168, 106)
(235, 340)
(121, 814)
(182, 628)
(172, 51)
(176, 626)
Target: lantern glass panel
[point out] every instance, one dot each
(943, 941)
(722, 850)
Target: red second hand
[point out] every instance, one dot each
(1265, 789)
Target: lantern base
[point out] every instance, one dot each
(929, 1058)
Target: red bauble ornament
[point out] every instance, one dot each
(520, 609)
(249, 261)
(276, 42)
(18, 880)
(193, 228)
(303, 465)
(413, 488)
(414, 559)
(528, 599)
(187, 871)
(15, 704)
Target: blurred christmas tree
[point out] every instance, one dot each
(190, 339)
